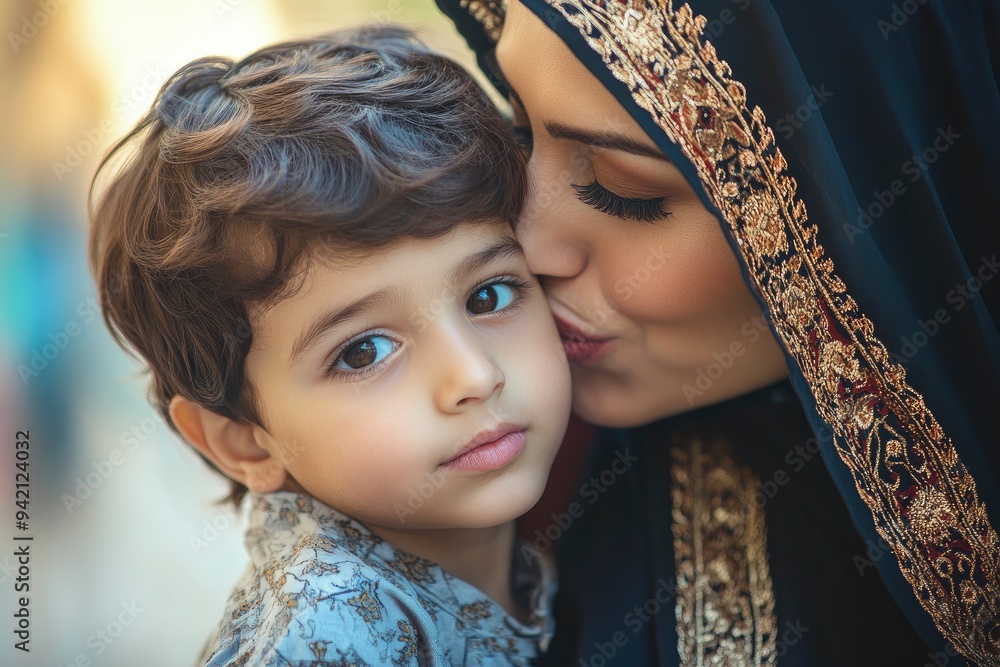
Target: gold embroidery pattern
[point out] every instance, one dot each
(725, 601)
(923, 500)
(489, 13)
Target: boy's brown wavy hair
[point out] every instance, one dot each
(240, 172)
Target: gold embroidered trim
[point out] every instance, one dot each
(923, 500)
(725, 601)
(489, 13)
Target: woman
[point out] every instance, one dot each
(768, 230)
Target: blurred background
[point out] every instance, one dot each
(131, 560)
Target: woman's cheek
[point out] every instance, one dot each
(665, 284)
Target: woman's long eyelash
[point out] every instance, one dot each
(626, 208)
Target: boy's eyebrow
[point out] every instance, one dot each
(386, 297)
(380, 298)
(505, 247)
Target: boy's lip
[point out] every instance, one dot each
(486, 437)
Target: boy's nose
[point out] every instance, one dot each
(465, 372)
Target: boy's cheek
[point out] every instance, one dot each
(545, 366)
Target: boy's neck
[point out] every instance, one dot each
(480, 556)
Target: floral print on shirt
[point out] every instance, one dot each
(322, 589)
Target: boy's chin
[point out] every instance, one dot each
(509, 510)
(482, 512)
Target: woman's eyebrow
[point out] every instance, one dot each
(611, 140)
(558, 130)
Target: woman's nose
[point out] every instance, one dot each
(553, 244)
(466, 375)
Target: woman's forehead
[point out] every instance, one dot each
(527, 46)
(560, 95)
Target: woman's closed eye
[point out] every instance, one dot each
(642, 209)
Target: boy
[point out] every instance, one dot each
(312, 250)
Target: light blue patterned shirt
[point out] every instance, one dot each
(322, 589)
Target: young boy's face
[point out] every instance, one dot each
(436, 343)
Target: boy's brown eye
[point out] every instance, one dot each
(489, 298)
(483, 301)
(364, 355)
(361, 354)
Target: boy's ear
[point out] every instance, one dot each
(229, 445)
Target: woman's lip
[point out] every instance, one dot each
(581, 348)
(572, 332)
(585, 352)
(490, 455)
